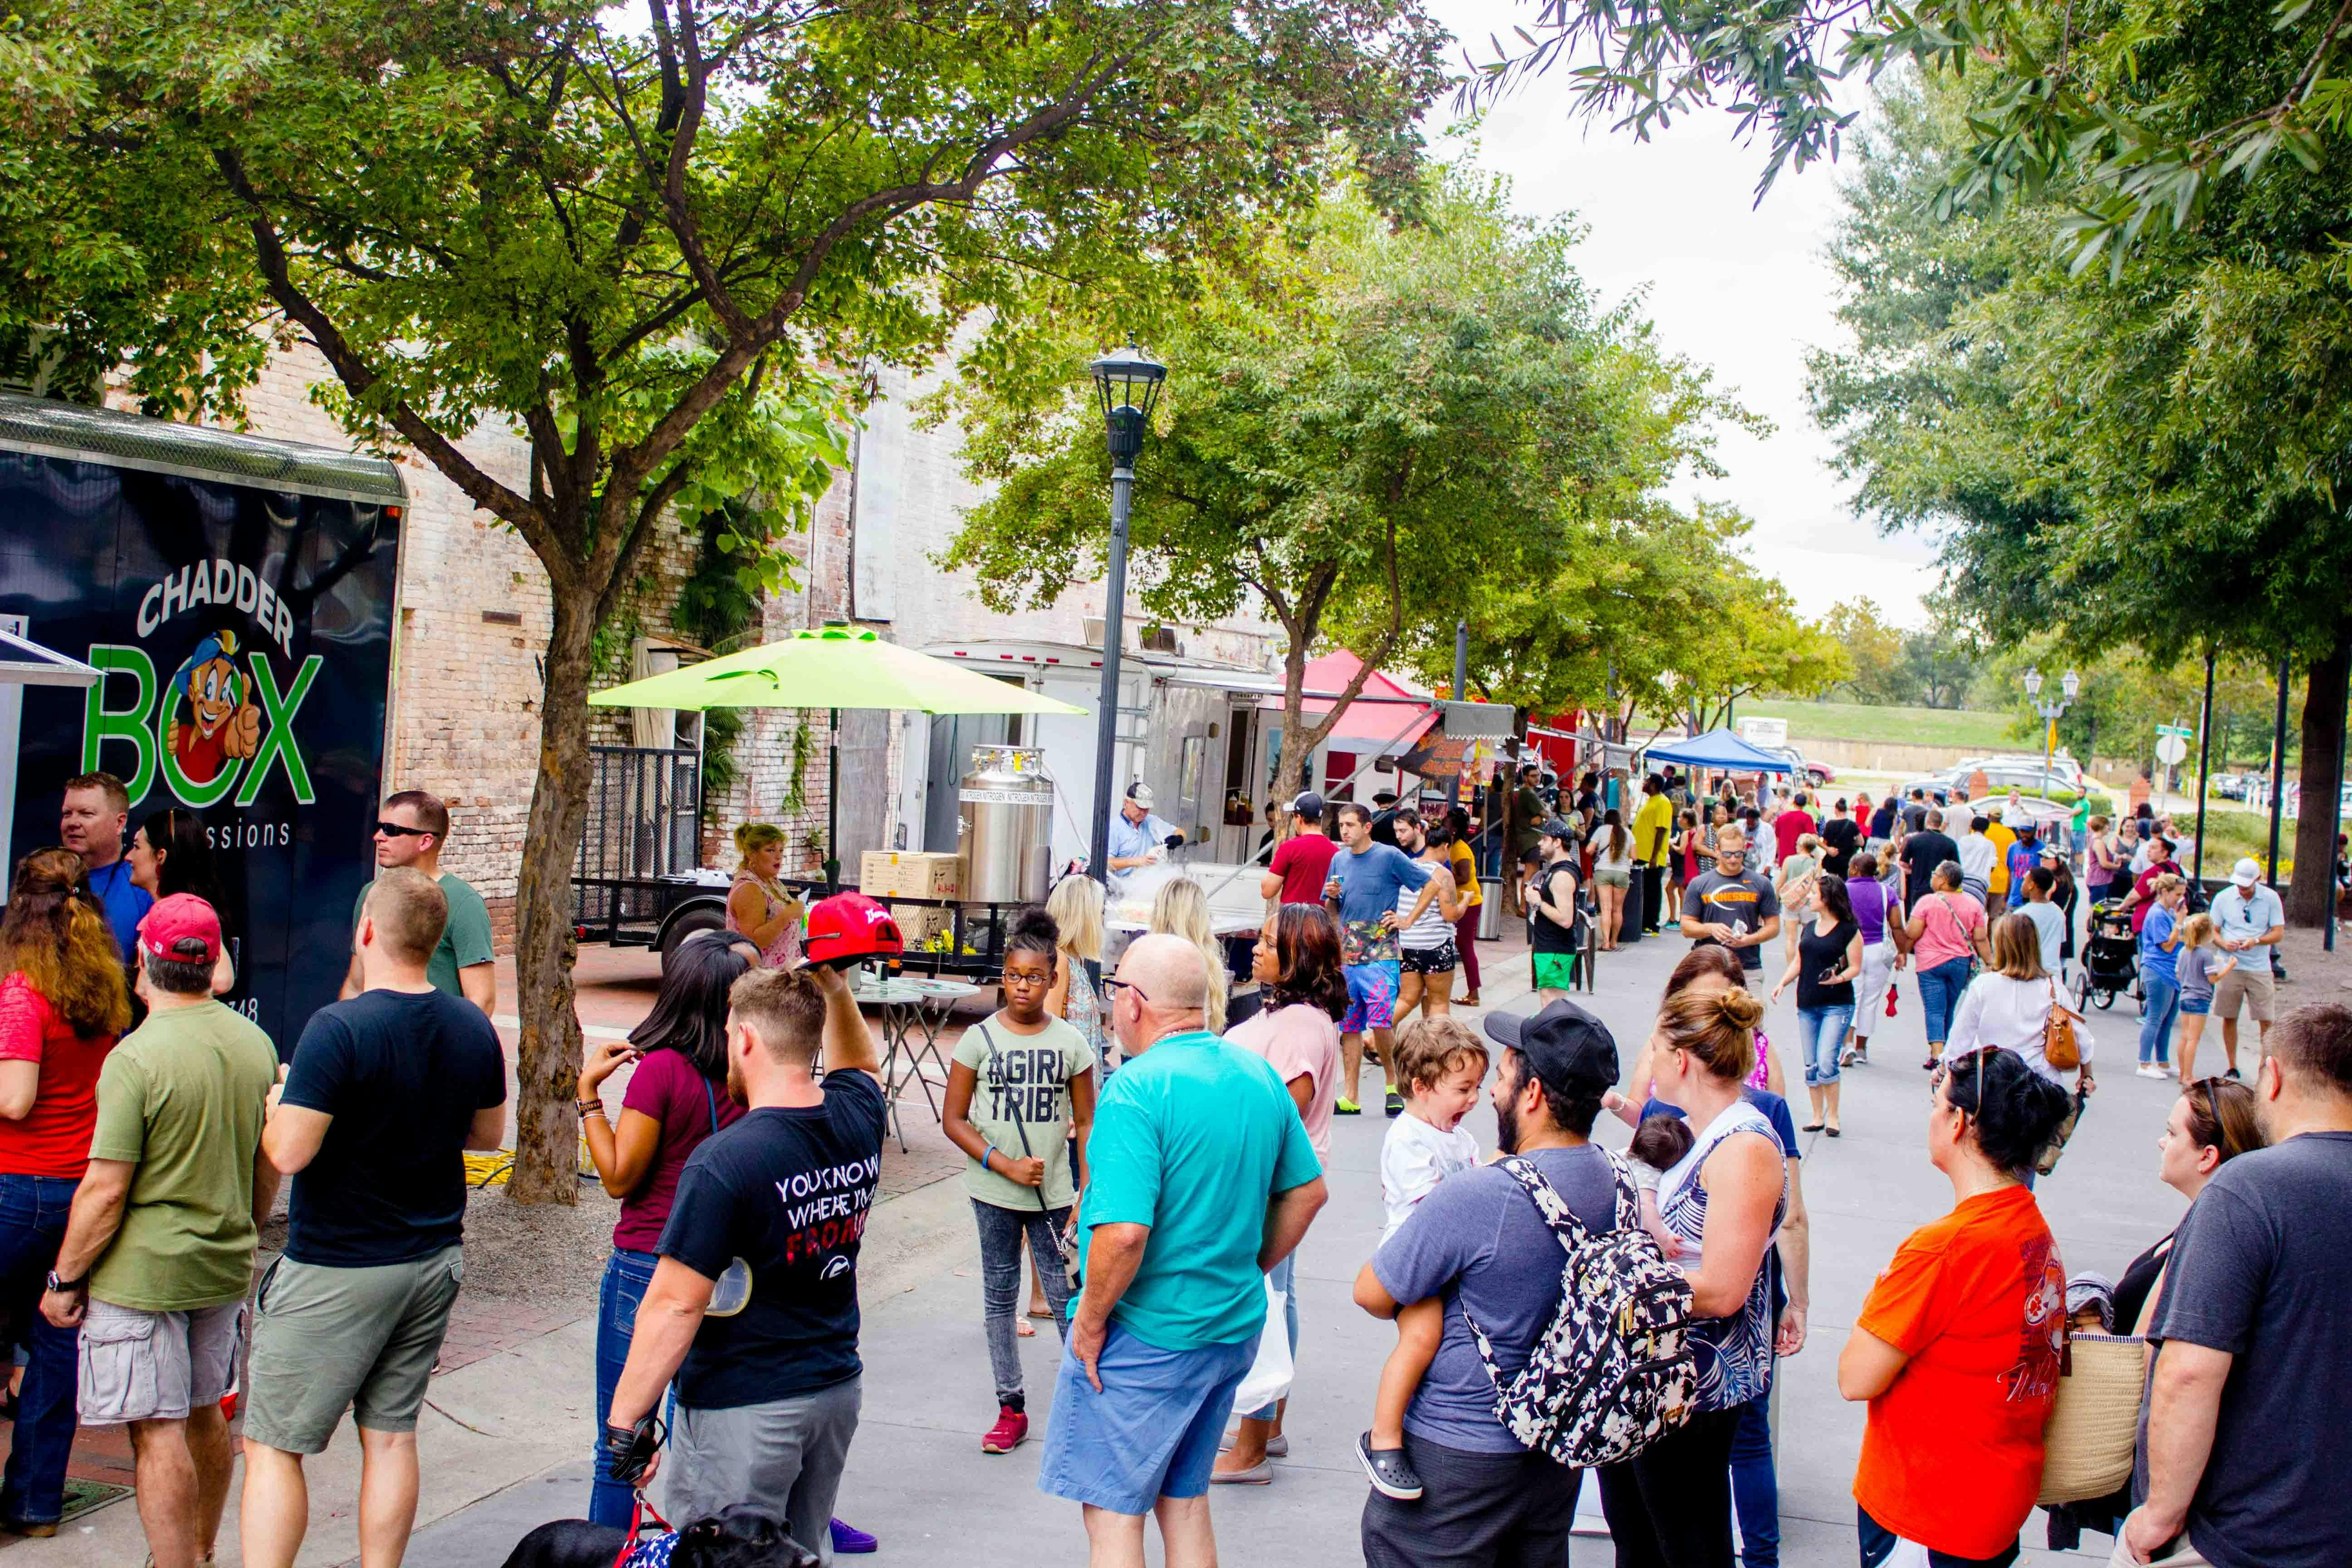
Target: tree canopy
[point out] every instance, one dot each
(1370, 429)
(644, 246)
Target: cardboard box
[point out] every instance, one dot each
(887, 873)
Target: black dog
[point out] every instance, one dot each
(741, 1536)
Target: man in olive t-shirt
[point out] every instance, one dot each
(158, 1252)
(410, 831)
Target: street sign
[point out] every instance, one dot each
(2170, 748)
(2183, 730)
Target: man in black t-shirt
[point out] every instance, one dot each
(2240, 1458)
(1840, 837)
(1915, 811)
(385, 1093)
(1923, 851)
(754, 1307)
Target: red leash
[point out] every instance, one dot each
(637, 1517)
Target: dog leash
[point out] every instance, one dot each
(642, 1512)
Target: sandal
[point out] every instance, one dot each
(1023, 1329)
(1810, 1127)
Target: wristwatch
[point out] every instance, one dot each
(66, 1286)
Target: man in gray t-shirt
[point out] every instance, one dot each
(1732, 905)
(2241, 1442)
(1478, 1243)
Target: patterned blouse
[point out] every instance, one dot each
(1735, 1353)
(1083, 1012)
(785, 949)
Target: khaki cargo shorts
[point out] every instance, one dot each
(2251, 983)
(135, 1366)
(329, 1340)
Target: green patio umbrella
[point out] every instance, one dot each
(833, 667)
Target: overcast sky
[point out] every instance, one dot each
(1740, 288)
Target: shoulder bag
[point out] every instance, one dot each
(2060, 1044)
(2093, 1433)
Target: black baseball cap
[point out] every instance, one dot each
(1568, 1046)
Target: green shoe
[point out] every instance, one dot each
(1346, 1108)
(1396, 1101)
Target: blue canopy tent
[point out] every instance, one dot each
(1721, 749)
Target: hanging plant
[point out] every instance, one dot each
(796, 794)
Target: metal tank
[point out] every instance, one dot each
(1003, 839)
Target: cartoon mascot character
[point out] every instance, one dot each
(220, 722)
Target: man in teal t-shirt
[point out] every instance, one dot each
(1200, 1179)
(410, 831)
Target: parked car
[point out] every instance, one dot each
(1815, 775)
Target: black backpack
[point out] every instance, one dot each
(1615, 1370)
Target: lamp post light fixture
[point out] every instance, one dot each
(1127, 383)
(2071, 686)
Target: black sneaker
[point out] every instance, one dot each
(2234, 1075)
(1387, 1471)
(1396, 1103)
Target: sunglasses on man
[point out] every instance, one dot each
(394, 830)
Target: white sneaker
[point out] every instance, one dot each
(2149, 1070)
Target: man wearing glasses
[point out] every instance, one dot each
(410, 831)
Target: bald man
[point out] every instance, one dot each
(1200, 1179)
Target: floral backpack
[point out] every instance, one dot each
(1615, 1370)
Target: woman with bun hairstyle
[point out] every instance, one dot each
(62, 1005)
(1020, 1087)
(1959, 1346)
(1297, 1028)
(1671, 1503)
(760, 906)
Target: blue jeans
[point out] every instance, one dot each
(626, 1275)
(1939, 994)
(1755, 1485)
(2160, 1005)
(1284, 1275)
(32, 1224)
(1822, 1033)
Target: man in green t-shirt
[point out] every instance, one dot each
(158, 1250)
(1200, 1178)
(410, 831)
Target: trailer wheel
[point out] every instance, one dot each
(691, 922)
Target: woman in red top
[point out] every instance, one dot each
(1958, 1345)
(62, 1003)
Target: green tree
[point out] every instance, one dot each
(2159, 461)
(2134, 113)
(1365, 424)
(1873, 652)
(1753, 641)
(641, 246)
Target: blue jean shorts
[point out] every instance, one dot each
(2195, 1006)
(1371, 996)
(1152, 1431)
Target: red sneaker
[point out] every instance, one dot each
(1012, 1425)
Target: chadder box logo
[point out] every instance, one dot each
(243, 640)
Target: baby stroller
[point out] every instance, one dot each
(2110, 960)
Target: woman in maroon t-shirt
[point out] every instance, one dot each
(676, 1099)
(62, 1003)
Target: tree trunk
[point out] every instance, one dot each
(1292, 758)
(2311, 893)
(547, 1071)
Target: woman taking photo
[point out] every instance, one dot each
(676, 1099)
(1018, 1085)
(62, 1005)
(1671, 1503)
(1828, 959)
(171, 853)
(1612, 874)
(757, 905)
(1959, 1346)
(1297, 967)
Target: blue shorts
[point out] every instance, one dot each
(2195, 1006)
(1371, 996)
(1151, 1433)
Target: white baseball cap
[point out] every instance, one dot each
(1139, 792)
(2246, 872)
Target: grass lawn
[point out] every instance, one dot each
(1905, 726)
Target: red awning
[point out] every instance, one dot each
(1385, 713)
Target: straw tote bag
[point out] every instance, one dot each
(2094, 1427)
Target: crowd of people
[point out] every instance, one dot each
(1154, 1143)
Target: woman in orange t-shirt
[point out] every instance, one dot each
(1958, 1345)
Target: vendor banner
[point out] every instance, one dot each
(243, 637)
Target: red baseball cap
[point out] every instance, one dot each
(177, 922)
(849, 928)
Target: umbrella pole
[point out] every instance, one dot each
(832, 800)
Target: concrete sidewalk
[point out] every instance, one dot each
(506, 1440)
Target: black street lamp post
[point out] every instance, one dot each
(1126, 381)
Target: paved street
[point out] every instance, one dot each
(506, 1438)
